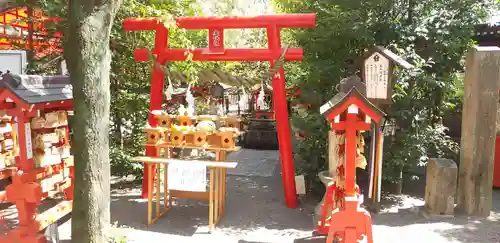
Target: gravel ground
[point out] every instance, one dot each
(255, 213)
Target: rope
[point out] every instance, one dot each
(276, 65)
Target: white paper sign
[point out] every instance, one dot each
(185, 176)
(27, 134)
(377, 76)
(6, 129)
(64, 68)
(13, 61)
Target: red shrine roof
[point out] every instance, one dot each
(14, 31)
(342, 100)
(35, 89)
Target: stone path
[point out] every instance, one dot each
(255, 213)
(254, 162)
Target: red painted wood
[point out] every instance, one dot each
(280, 107)
(353, 100)
(216, 40)
(42, 46)
(22, 161)
(496, 168)
(230, 22)
(156, 100)
(6, 105)
(322, 227)
(349, 222)
(7, 94)
(362, 125)
(205, 54)
(239, 22)
(350, 154)
(140, 24)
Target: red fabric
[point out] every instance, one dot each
(496, 168)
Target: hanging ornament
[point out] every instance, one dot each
(170, 89)
(182, 110)
(243, 102)
(220, 110)
(189, 101)
(261, 98)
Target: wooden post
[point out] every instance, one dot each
(149, 166)
(157, 190)
(481, 84)
(224, 183)
(166, 197)
(211, 206)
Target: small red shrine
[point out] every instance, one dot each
(263, 112)
(349, 112)
(16, 30)
(268, 112)
(35, 151)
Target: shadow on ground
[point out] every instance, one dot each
(300, 240)
(255, 213)
(403, 220)
(253, 203)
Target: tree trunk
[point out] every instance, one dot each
(398, 189)
(88, 55)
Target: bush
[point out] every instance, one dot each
(310, 152)
(122, 164)
(428, 34)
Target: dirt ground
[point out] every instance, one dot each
(255, 213)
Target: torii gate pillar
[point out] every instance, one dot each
(282, 122)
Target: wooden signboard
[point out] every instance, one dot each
(187, 177)
(216, 40)
(377, 77)
(14, 61)
(29, 146)
(377, 74)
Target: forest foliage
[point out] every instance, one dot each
(432, 35)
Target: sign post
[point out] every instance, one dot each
(29, 145)
(377, 75)
(187, 177)
(377, 69)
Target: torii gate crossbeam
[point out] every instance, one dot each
(216, 52)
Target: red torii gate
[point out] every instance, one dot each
(216, 52)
